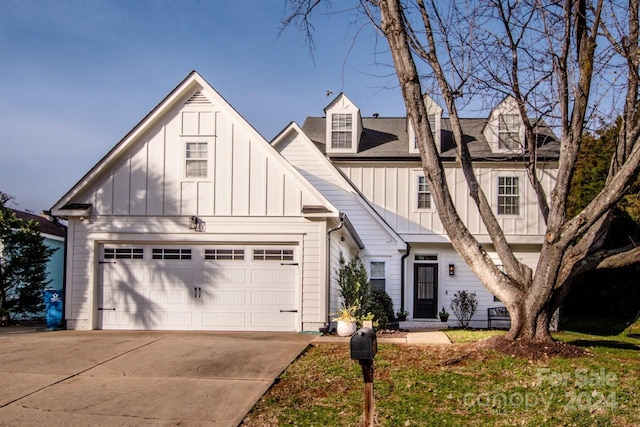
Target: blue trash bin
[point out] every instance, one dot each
(53, 307)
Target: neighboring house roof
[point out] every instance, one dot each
(387, 138)
(47, 226)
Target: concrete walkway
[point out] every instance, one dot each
(426, 337)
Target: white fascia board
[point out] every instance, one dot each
(346, 184)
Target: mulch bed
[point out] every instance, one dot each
(534, 350)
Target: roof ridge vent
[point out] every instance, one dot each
(198, 98)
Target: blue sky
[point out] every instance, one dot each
(77, 75)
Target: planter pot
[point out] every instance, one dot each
(346, 329)
(444, 318)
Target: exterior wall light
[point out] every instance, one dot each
(196, 224)
(452, 270)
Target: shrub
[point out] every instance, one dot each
(380, 305)
(464, 306)
(353, 284)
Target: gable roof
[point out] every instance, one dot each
(194, 89)
(345, 182)
(386, 138)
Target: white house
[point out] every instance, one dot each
(370, 168)
(193, 221)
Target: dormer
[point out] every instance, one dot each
(344, 126)
(434, 111)
(504, 130)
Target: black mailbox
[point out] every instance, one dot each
(364, 344)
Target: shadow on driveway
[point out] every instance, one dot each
(139, 377)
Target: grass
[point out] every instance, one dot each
(456, 385)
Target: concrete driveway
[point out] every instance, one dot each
(112, 378)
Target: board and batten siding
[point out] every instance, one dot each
(244, 177)
(86, 237)
(379, 243)
(464, 279)
(392, 190)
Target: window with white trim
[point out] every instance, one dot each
(341, 131)
(224, 254)
(432, 124)
(196, 160)
(424, 193)
(181, 254)
(509, 132)
(377, 276)
(123, 253)
(273, 254)
(508, 195)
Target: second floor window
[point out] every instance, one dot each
(509, 132)
(508, 195)
(341, 127)
(424, 193)
(196, 160)
(432, 124)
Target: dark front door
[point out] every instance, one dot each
(425, 290)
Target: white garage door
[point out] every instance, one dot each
(199, 288)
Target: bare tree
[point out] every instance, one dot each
(562, 62)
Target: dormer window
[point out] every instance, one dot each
(509, 132)
(341, 131)
(343, 126)
(432, 125)
(504, 130)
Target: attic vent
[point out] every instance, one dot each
(198, 98)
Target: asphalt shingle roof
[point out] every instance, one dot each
(387, 137)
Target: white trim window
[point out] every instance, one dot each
(424, 193)
(378, 276)
(341, 131)
(508, 195)
(196, 160)
(432, 124)
(509, 132)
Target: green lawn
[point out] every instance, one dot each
(459, 385)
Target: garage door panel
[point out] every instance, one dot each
(222, 276)
(230, 320)
(235, 297)
(286, 299)
(272, 275)
(127, 274)
(123, 320)
(175, 297)
(272, 320)
(169, 319)
(171, 275)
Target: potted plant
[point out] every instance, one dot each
(444, 315)
(402, 315)
(346, 318)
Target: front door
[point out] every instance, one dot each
(425, 291)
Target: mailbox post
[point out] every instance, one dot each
(364, 346)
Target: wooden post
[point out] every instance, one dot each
(369, 407)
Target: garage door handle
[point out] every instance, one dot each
(106, 309)
(288, 311)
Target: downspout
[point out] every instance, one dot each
(402, 276)
(328, 273)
